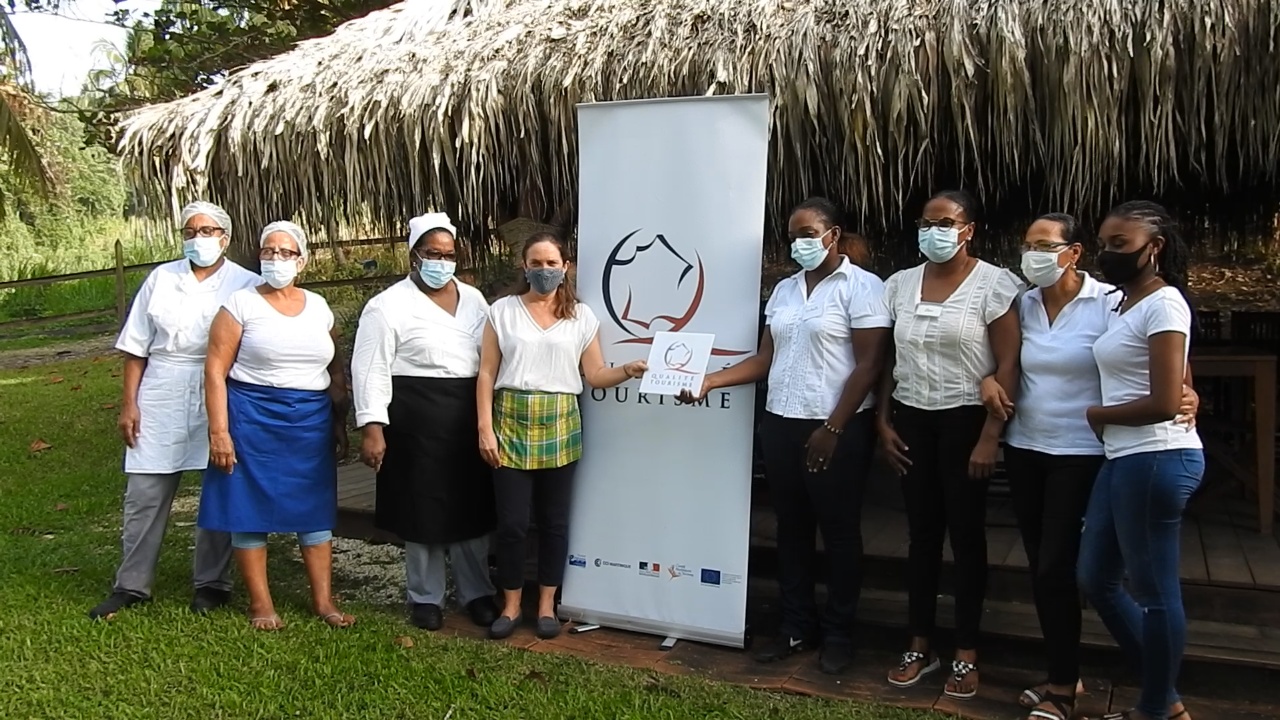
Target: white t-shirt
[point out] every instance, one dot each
(1124, 360)
(540, 360)
(405, 333)
(171, 314)
(942, 350)
(1059, 375)
(281, 351)
(812, 339)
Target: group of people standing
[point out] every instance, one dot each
(469, 415)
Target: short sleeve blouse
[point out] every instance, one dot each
(535, 359)
(280, 351)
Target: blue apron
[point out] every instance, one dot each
(286, 473)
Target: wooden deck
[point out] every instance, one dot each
(1230, 572)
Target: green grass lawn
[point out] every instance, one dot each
(59, 542)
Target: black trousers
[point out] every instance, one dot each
(941, 501)
(830, 502)
(1050, 496)
(549, 493)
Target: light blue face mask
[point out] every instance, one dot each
(437, 273)
(809, 252)
(939, 244)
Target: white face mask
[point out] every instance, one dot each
(279, 273)
(939, 244)
(203, 251)
(1041, 268)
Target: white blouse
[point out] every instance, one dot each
(1124, 364)
(172, 311)
(812, 339)
(534, 359)
(1059, 380)
(280, 351)
(405, 333)
(941, 349)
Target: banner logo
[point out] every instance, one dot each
(661, 312)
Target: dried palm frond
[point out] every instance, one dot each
(470, 106)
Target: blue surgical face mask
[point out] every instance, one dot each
(939, 244)
(202, 251)
(809, 252)
(544, 281)
(279, 273)
(437, 273)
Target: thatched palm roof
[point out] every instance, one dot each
(469, 106)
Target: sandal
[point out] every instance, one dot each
(266, 623)
(961, 669)
(338, 620)
(910, 658)
(1063, 707)
(1033, 696)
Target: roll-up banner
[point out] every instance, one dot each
(670, 234)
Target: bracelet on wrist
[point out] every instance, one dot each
(832, 429)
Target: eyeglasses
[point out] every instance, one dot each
(269, 253)
(944, 223)
(437, 255)
(202, 231)
(1044, 247)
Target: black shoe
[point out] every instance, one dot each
(118, 601)
(835, 659)
(780, 648)
(482, 610)
(208, 599)
(427, 617)
(504, 627)
(547, 628)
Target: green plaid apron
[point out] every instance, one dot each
(537, 430)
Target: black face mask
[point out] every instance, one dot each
(1119, 268)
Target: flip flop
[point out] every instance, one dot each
(341, 622)
(961, 669)
(266, 623)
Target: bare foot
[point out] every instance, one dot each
(333, 617)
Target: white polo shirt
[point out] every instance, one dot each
(812, 339)
(1059, 374)
(1123, 353)
(942, 350)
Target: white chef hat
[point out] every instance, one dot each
(200, 207)
(293, 230)
(423, 224)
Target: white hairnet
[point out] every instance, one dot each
(423, 224)
(200, 207)
(292, 229)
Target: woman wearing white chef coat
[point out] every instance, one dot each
(162, 417)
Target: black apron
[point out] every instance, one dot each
(434, 487)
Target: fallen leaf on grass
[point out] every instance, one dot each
(404, 641)
(25, 531)
(66, 571)
(55, 379)
(61, 507)
(535, 676)
(108, 406)
(471, 673)
(97, 359)
(48, 536)
(39, 446)
(76, 387)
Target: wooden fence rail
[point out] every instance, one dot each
(120, 271)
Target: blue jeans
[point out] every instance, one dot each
(253, 541)
(1133, 525)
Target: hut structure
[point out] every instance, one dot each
(468, 106)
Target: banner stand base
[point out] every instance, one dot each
(668, 643)
(583, 629)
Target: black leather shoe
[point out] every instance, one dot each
(206, 600)
(427, 617)
(780, 648)
(482, 611)
(118, 601)
(835, 659)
